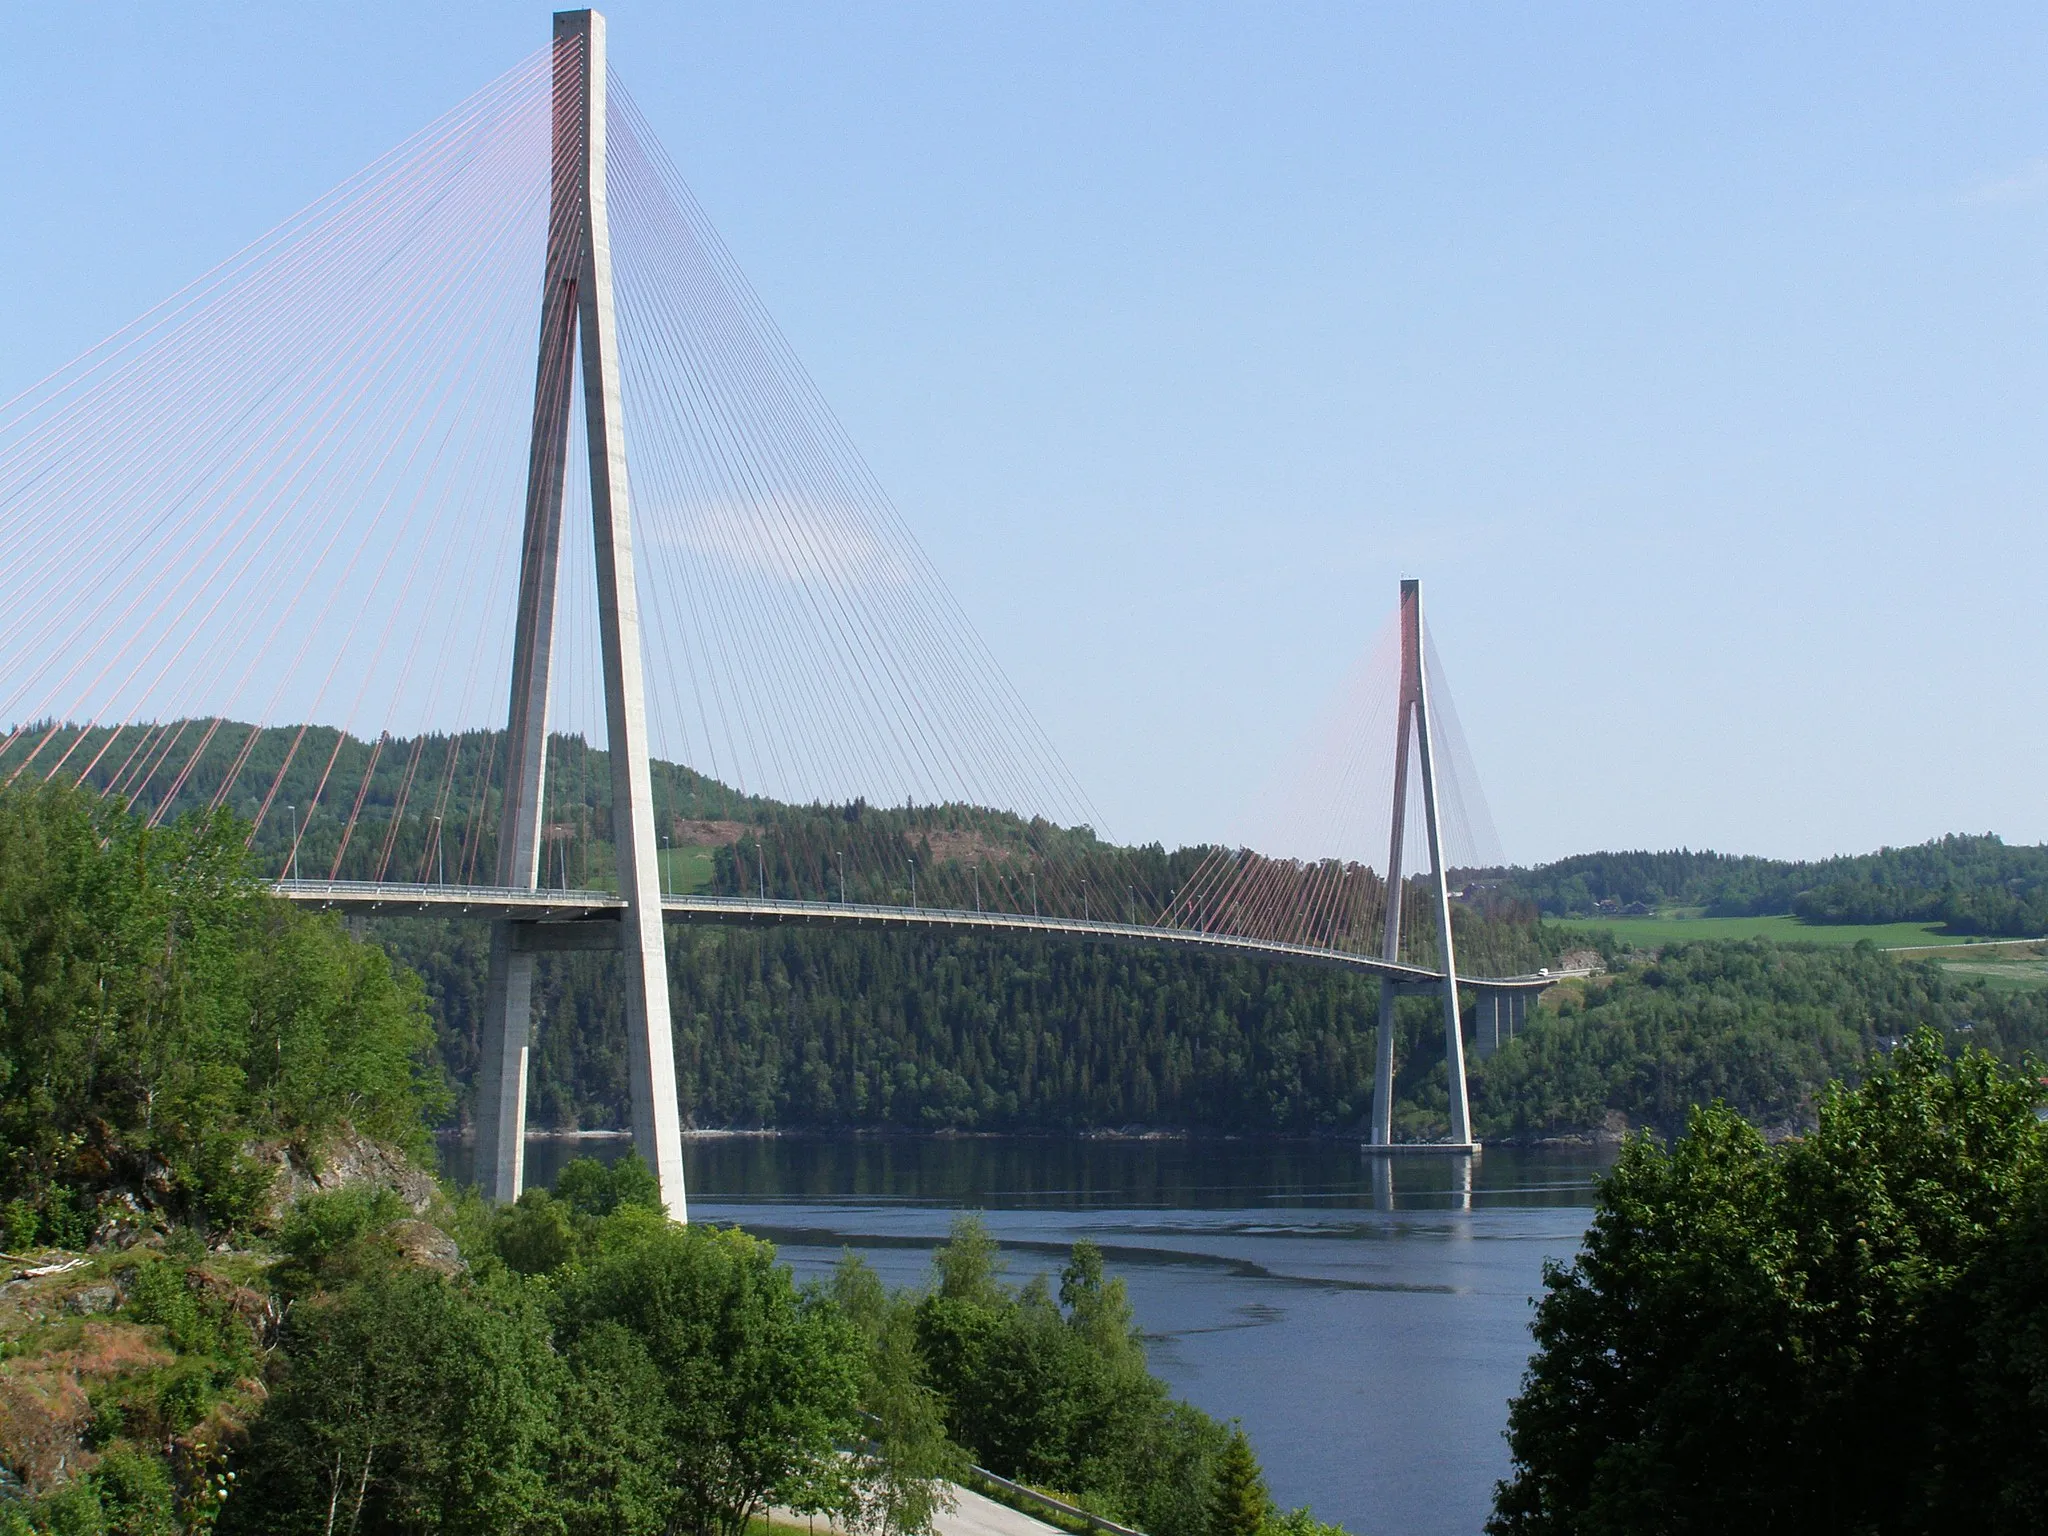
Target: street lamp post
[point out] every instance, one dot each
(975, 870)
(761, 869)
(292, 865)
(440, 856)
(842, 877)
(1034, 893)
(913, 883)
(1084, 901)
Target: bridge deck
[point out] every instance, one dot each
(567, 908)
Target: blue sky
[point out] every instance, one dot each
(1695, 357)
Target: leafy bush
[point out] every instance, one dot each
(321, 1225)
(592, 1188)
(739, 1389)
(128, 1494)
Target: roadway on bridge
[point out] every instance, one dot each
(574, 916)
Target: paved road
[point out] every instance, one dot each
(972, 1515)
(975, 1514)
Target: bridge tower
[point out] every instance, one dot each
(577, 312)
(1413, 728)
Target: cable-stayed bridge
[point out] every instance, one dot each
(335, 480)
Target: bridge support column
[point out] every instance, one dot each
(1492, 1021)
(501, 1074)
(1413, 730)
(577, 307)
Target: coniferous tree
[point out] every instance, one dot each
(1240, 1505)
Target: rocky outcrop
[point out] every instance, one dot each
(424, 1244)
(341, 1160)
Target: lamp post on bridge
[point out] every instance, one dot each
(440, 856)
(760, 870)
(975, 870)
(1034, 893)
(913, 883)
(842, 877)
(292, 859)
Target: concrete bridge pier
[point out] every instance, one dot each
(1498, 1017)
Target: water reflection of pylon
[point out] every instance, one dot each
(1413, 730)
(1385, 1198)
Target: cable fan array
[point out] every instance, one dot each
(259, 552)
(1323, 825)
(255, 507)
(261, 548)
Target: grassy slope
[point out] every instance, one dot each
(685, 871)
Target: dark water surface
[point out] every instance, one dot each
(1366, 1318)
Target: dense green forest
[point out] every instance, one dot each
(1847, 1332)
(1975, 885)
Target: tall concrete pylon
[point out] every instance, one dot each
(1412, 733)
(576, 306)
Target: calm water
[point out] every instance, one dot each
(1366, 1319)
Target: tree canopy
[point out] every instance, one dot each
(158, 1010)
(1841, 1333)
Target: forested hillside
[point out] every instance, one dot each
(1975, 885)
(926, 1032)
(805, 1030)
(921, 1031)
(1763, 1027)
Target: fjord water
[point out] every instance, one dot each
(1365, 1318)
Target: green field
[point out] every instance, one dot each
(1678, 929)
(685, 871)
